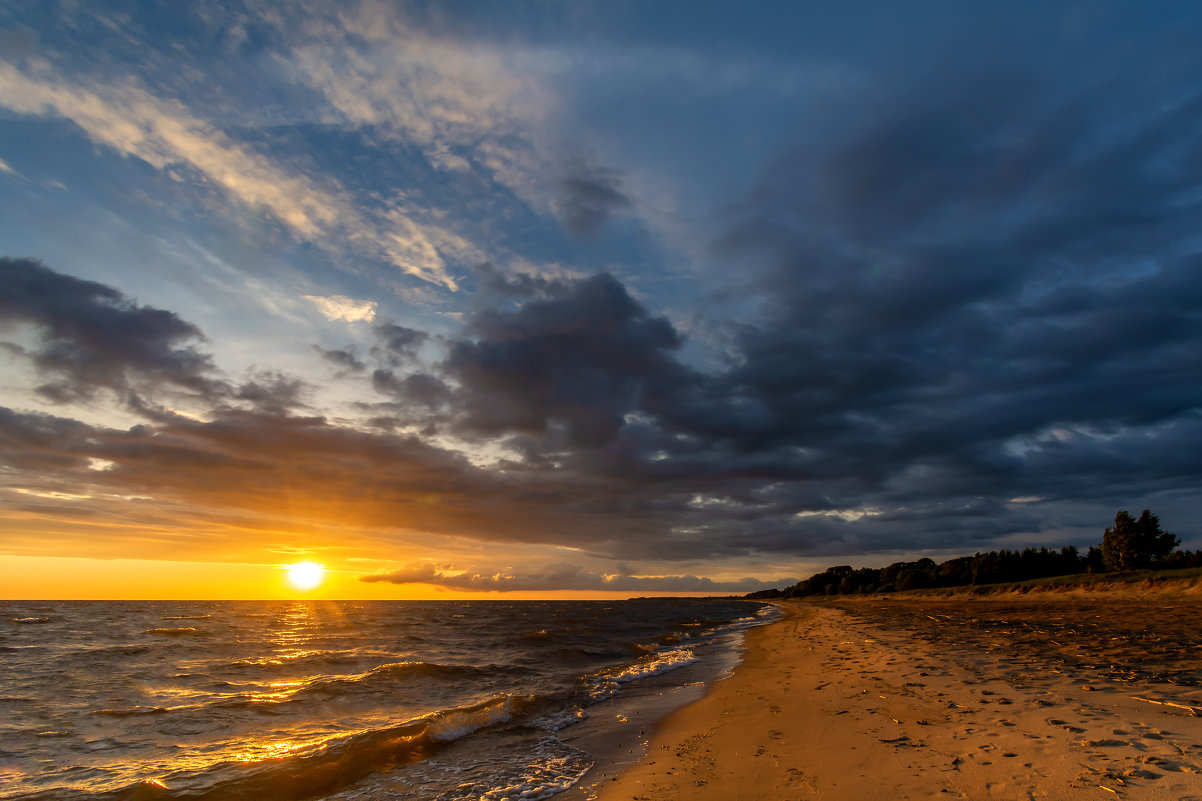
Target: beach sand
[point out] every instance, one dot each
(1019, 698)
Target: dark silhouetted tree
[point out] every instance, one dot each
(1131, 544)
(955, 572)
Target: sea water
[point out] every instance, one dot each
(333, 700)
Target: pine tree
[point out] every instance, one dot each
(1131, 544)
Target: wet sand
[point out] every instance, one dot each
(1011, 698)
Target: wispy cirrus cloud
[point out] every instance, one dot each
(5, 167)
(340, 307)
(166, 134)
(463, 104)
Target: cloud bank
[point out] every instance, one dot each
(608, 442)
(564, 576)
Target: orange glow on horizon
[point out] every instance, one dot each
(66, 578)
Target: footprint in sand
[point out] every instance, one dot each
(1065, 725)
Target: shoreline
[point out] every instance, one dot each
(838, 701)
(616, 734)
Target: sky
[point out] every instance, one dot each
(589, 299)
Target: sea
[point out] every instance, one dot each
(345, 700)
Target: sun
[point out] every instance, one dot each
(305, 575)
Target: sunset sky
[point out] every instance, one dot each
(589, 298)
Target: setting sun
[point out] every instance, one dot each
(305, 575)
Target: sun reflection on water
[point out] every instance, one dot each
(259, 750)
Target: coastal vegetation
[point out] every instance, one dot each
(1130, 544)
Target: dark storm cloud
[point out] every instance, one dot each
(397, 344)
(272, 391)
(37, 443)
(521, 285)
(588, 195)
(415, 388)
(990, 292)
(344, 358)
(985, 289)
(563, 576)
(92, 337)
(578, 362)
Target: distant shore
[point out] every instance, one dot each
(1048, 695)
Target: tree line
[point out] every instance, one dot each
(1130, 544)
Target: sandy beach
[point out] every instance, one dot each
(1051, 698)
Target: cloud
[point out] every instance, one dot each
(92, 337)
(272, 391)
(581, 360)
(602, 439)
(563, 576)
(345, 358)
(417, 388)
(518, 285)
(465, 104)
(340, 307)
(5, 167)
(940, 286)
(397, 344)
(588, 196)
(165, 134)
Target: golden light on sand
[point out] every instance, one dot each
(305, 575)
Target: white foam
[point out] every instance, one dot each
(660, 662)
(452, 725)
(552, 772)
(561, 719)
(607, 683)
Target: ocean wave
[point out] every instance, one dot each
(184, 631)
(561, 719)
(130, 711)
(606, 683)
(453, 724)
(392, 672)
(185, 617)
(291, 661)
(547, 776)
(30, 621)
(100, 652)
(264, 696)
(327, 766)
(582, 655)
